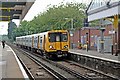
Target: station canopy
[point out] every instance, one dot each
(99, 9)
(14, 9)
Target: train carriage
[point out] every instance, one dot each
(28, 41)
(57, 42)
(51, 43)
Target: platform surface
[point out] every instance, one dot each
(10, 67)
(91, 53)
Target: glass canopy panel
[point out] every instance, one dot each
(112, 1)
(99, 3)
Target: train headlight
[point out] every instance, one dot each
(51, 47)
(66, 46)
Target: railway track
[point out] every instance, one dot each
(60, 72)
(57, 75)
(72, 69)
(86, 71)
(66, 74)
(72, 72)
(80, 71)
(33, 75)
(104, 66)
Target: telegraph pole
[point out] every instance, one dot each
(71, 31)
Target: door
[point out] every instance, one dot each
(32, 41)
(58, 41)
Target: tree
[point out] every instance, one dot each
(11, 27)
(54, 18)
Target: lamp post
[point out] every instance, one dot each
(71, 23)
(87, 41)
(102, 39)
(71, 30)
(102, 29)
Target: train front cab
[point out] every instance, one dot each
(57, 43)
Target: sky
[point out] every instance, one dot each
(41, 6)
(38, 7)
(3, 28)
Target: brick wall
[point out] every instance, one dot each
(81, 33)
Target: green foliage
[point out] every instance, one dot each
(95, 23)
(56, 17)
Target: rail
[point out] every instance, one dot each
(108, 67)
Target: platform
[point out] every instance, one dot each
(10, 67)
(95, 54)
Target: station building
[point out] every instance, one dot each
(102, 10)
(107, 10)
(80, 36)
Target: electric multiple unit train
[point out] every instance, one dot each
(53, 43)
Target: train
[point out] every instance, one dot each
(54, 43)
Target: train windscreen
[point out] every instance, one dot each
(58, 37)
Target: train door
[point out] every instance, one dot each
(44, 42)
(38, 43)
(35, 42)
(32, 41)
(41, 42)
(58, 41)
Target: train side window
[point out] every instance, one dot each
(36, 39)
(40, 39)
(30, 40)
(26, 39)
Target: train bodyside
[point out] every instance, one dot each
(28, 42)
(23, 41)
(20, 41)
(37, 42)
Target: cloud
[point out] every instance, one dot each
(3, 28)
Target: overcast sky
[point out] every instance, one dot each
(41, 5)
(38, 6)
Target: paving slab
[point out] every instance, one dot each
(9, 64)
